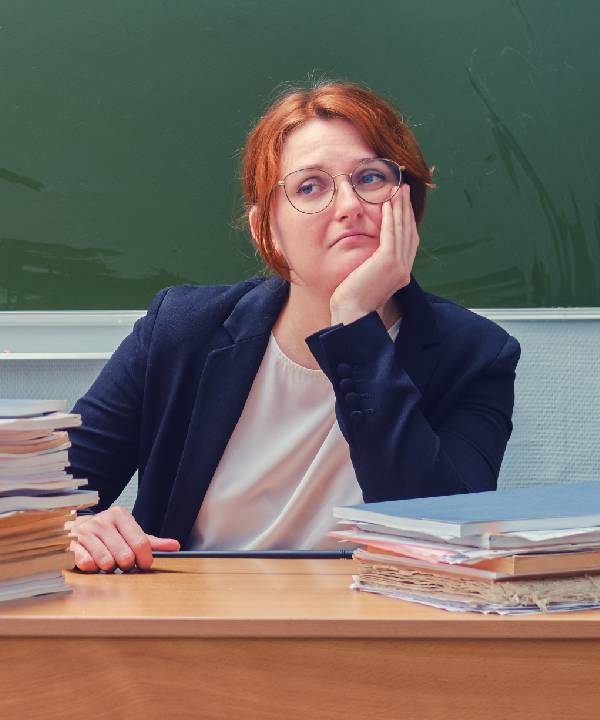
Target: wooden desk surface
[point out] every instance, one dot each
(259, 598)
(270, 639)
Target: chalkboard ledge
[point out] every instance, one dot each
(93, 335)
(53, 335)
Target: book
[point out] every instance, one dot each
(536, 507)
(78, 498)
(10, 452)
(492, 541)
(563, 563)
(560, 563)
(38, 497)
(8, 437)
(456, 592)
(32, 585)
(447, 552)
(61, 560)
(18, 522)
(52, 421)
(13, 446)
(14, 408)
(8, 463)
(37, 542)
(32, 472)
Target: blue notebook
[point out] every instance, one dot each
(536, 507)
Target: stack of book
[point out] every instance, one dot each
(37, 497)
(515, 551)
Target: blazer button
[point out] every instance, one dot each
(352, 399)
(357, 417)
(346, 385)
(344, 370)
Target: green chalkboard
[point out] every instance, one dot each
(121, 123)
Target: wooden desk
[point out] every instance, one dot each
(279, 640)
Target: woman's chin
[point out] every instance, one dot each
(351, 260)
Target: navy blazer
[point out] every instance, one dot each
(428, 414)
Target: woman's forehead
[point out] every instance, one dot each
(326, 144)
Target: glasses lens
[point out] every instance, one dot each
(377, 180)
(309, 191)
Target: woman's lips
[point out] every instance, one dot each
(358, 238)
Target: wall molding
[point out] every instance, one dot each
(93, 335)
(537, 314)
(73, 335)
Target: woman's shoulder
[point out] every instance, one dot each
(187, 314)
(193, 298)
(460, 326)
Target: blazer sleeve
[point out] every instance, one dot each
(396, 452)
(105, 448)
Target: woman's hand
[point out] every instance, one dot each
(111, 539)
(388, 269)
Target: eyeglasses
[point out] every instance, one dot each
(311, 191)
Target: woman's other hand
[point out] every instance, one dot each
(388, 269)
(112, 539)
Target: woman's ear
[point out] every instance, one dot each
(253, 220)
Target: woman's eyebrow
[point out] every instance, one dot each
(320, 167)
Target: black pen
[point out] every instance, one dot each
(271, 554)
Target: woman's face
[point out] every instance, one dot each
(318, 259)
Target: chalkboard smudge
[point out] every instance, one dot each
(46, 276)
(574, 265)
(16, 179)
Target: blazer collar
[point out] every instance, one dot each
(256, 312)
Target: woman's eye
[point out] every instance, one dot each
(371, 178)
(309, 187)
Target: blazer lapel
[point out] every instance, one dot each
(417, 344)
(224, 385)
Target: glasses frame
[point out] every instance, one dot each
(281, 183)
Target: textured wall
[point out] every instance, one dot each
(556, 419)
(557, 408)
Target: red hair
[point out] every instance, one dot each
(384, 129)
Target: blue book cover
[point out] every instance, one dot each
(536, 507)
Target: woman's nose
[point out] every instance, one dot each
(346, 200)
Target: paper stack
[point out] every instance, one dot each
(509, 552)
(37, 497)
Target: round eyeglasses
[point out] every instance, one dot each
(311, 190)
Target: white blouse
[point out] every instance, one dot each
(285, 467)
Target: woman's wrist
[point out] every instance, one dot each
(345, 313)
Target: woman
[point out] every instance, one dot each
(251, 410)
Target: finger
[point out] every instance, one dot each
(407, 207)
(167, 544)
(123, 556)
(83, 560)
(408, 245)
(413, 230)
(398, 215)
(135, 538)
(386, 238)
(97, 549)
